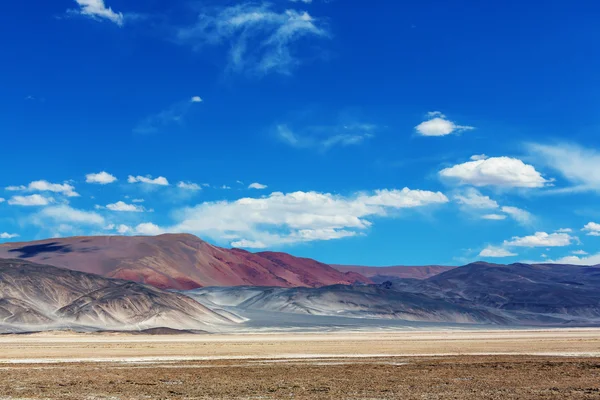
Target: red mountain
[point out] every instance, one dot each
(380, 273)
(177, 262)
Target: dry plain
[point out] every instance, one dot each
(451, 364)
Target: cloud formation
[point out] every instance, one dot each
(30, 201)
(281, 219)
(101, 178)
(97, 10)
(121, 206)
(6, 235)
(496, 252)
(592, 229)
(578, 165)
(260, 39)
(473, 201)
(64, 214)
(189, 186)
(438, 125)
(65, 189)
(160, 181)
(256, 185)
(496, 171)
(472, 198)
(541, 239)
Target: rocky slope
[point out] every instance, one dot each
(41, 297)
(177, 262)
(364, 301)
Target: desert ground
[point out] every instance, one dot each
(518, 364)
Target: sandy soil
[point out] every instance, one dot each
(120, 347)
(551, 364)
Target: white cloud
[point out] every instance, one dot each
(123, 229)
(225, 187)
(249, 244)
(472, 198)
(97, 9)
(541, 239)
(574, 260)
(149, 229)
(496, 171)
(196, 99)
(496, 252)
(260, 39)
(161, 180)
(592, 229)
(189, 186)
(124, 207)
(102, 178)
(439, 125)
(2, 200)
(45, 186)
(6, 235)
(297, 217)
(478, 157)
(256, 185)
(521, 216)
(576, 164)
(494, 217)
(137, 200)
(63, 214)
(564, 230)
(580, 252)
(326, 137)
(30, 201)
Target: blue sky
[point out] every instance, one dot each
(424, 133)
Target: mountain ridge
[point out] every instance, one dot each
(177, 261)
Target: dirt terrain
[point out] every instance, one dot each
(464, 377)
(551, 364)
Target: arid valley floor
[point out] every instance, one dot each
(518, 364)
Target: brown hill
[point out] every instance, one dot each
(382, 273)
(177, 262)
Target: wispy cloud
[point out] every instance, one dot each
(171, 116)
(473, 201)
(578, 165)
(6, 235)
(194, 187)
(325, 137)
(97, 10)
(260, 38)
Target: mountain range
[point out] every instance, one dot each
(41, 297)
(118, 283)
(177, 262)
